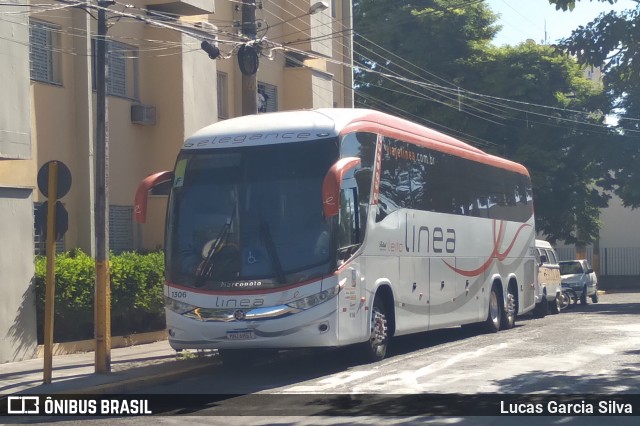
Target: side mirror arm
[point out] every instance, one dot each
(142, 193)
(331, 185)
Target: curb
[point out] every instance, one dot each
(133, 384)
(79, 346)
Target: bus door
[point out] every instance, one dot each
(352, 316)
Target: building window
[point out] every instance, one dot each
(223, 95)
(267, 97)
(120, 228)
(122, 59)
(44, 52)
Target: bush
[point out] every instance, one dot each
(137, 303)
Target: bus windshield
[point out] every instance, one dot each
(249, 218)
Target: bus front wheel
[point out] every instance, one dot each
(376, 347)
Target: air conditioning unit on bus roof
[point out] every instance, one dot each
(143, 114)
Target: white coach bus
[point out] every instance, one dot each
(333, 227)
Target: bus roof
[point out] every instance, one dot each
(300, 125)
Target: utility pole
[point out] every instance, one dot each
(102, 308)
(249, 81)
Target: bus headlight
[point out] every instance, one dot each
(315, 299)
(178, 306)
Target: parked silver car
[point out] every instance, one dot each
(577, 275)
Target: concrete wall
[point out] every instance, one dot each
(17, 182)
(17, 304)
(619, 225)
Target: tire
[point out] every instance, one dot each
(542, 308)
(583, 296)
(494, 312)
(554, 306)
(565, 300)
(376, 348)
(595, 298)
(572, 297)
(508, 319)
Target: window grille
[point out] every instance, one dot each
(120, 228)
(122, 80)
(223, 95)
(43, 51)
(267, 97)
(40, 238)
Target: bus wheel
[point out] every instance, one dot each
(376, 347)
(509, 316)
(492, 323)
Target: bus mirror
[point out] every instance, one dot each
(331, 185)
(142, 193)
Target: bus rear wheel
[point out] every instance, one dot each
(509, 315)
(494, 314)
(376, 347)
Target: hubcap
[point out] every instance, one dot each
(511, 306)
(493, 308)
(378, 329)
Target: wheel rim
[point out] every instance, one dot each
(511, 307)
(564, 301)
(494, 311)
(378, 331)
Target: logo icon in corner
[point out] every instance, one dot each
(239, 315)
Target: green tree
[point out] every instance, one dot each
(561, 148)
(612, 42)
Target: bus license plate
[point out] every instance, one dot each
(240, 335)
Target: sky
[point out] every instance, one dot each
(525, 19)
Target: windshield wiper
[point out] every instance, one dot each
(272, 251)
(205, 269)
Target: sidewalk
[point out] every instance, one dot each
(132, 367)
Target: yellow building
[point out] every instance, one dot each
(161, 88)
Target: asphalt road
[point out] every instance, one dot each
(591, 349)
(434, 377)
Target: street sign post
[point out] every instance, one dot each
(54, 181)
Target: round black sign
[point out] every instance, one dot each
(64, 179)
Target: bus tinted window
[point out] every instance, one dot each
(424, 179)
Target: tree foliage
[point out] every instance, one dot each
(465, 85)
(612, 42)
